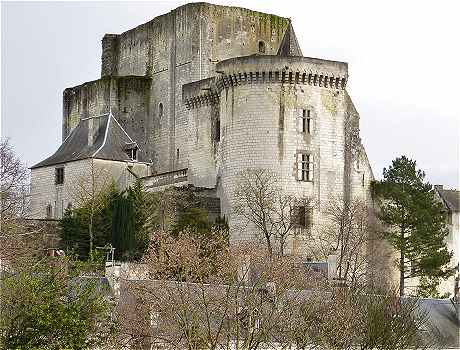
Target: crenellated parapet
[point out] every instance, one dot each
(200, 93)
(286, 70)
(257, 69)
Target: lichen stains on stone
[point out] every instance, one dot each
(329, 102)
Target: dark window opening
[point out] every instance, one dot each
(59, 176)
(306, 123)
(304, 217)
(362, 180)
(131, 150)
(132, 153)
(177, 153)
(217, 138)
(160, 110)
(49, 211)
(304, 167)
(261, 47)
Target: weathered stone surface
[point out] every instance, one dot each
(215, 90)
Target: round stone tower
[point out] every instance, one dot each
(286, 115)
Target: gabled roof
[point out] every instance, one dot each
(289, 45)
(451, 198)
(110, 141)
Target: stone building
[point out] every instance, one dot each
(199, 94)
(451, 202)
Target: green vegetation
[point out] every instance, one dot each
(118, 219)
(416, 224)
(125, 220)
(42, 307)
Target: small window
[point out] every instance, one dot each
(160, 110)
(131, 150)
(304, 167)
(154, 317)
(362, 180)
(304, 217)
(305, 121)
(59, 176)
(177, 153)
(217, 138)
(49, 211)
(261, 47)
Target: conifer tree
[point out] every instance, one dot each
(415, 220)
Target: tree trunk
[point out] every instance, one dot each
(401, 264)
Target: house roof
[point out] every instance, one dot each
(110, 141)
(441, 316)
(451, 199)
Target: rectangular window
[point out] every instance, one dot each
(59, 176)
(304, 217)
(49, 211)
(304, 167)
(305, 121)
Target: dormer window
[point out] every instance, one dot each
(131, 150)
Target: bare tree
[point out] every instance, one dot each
(246, 299)
(242, 299)
(339, 318)
(260, 200)
(14, 186)
(349, 232)
(87, 192)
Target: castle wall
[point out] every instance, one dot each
(180, 47)
(260, 106)
(83, 101)
(128, 97)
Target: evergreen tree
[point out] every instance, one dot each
(415, 220)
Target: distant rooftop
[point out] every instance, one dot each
(451, 198)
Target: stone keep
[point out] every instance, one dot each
(207, 91)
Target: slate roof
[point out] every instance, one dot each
(451, 199)
(109, 142)
(441, 316)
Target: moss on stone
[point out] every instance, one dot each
(328, 101)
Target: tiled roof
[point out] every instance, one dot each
(451, 198)
(109, 142)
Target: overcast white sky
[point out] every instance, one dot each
(403, 56)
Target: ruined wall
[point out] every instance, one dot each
(128, 97)
(180, 47)
(87, 100)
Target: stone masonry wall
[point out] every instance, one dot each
(259, 128)
(127, 97)
(45, 192)
(77, 183)
(180, 47)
